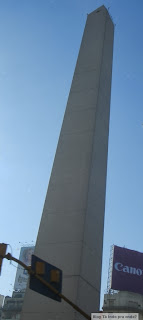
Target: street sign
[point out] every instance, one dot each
(49, 273)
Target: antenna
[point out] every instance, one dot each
(109, 281)
(110, 270)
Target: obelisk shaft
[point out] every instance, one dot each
(71, 230)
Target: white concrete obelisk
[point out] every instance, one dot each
(71, 229)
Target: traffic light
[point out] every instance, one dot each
(40, 267)
(51, 274)
(3, 248)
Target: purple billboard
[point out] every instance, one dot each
(127, 271)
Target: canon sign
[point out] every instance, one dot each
(127, 273)
(120, 267)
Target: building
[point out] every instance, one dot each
(124, 301)
(1, 304)
(71, 229)
(21, 274)
(12, 306)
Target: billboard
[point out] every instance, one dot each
(127, 270)
(21, 274)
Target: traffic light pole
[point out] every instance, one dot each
(8, 256)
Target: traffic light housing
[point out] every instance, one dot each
(51, 274)
(3, 248)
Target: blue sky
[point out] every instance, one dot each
(39, 44)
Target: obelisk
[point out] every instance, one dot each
(71, 229)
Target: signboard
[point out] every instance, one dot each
(114, 316)
(127, 271)
(21, 274)
(49, 273)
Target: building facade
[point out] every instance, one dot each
(12, 306)
(71, 229)
(124, 301)
(21, 274)
(1, 304)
